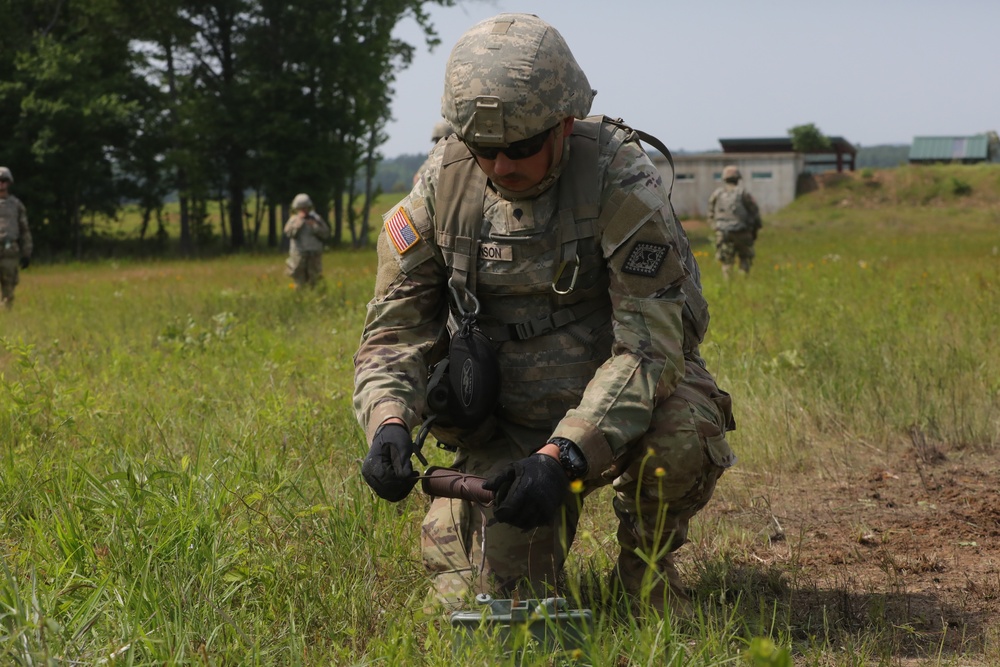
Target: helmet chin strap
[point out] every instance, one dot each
(560, 154)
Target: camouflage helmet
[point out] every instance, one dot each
(731, 173)
(512, 77)
(5, 175)
(302, 201)
(441, 130)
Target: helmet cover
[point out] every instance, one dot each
(512, 77)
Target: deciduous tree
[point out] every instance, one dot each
(808, 139)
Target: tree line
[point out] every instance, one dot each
(232, 106)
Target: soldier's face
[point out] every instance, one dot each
(526, 173)
(4, 184)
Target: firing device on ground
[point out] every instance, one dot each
(548, 623)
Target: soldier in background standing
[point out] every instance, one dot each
(307, 231)
(15, 239)
(550, 233)
(733, 214)
(441, 130)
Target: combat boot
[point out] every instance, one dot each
(657, 588)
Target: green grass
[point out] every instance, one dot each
(125, 227)
(868, 324)
(179, 462)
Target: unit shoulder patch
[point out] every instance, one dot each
(645, 259)
(400, 229)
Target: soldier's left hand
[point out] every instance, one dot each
(25, 262)
(529, 492)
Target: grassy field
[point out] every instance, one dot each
(120, 235)
(180, 484)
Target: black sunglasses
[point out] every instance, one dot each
(518, 150)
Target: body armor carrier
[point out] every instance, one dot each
(10, 230)
(547, 303)
(731, 214)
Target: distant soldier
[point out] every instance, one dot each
(734, 216)
(441, 130)
(15, 238)
(307, 231)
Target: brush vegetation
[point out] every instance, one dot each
(179, 460)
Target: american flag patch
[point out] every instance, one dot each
(402, 232)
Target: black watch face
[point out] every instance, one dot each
(571, 459)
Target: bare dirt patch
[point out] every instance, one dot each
(901, 549)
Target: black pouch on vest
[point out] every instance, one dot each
(463, 389)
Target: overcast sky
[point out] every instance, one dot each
(692, 72)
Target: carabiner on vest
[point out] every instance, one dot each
(572, 281)
(466, 314)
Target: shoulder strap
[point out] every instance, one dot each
(652, 141)
(696, 315)
(579, 201)
(459, 202)
(662, 147)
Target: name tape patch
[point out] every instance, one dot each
(645, 259)
(496, 252)
(402, 232)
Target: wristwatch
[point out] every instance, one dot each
(571, 458)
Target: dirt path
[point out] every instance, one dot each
(901, 549)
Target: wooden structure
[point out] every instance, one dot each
(841, 155)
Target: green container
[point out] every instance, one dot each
(549, 623)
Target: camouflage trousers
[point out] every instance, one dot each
(730, 244)
(9, 278)
(305, 268)
(667, 476)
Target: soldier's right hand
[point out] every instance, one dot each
(529, 492)
(387, 468)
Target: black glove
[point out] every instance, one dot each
(25, 261)
(387, 467)
(529, 492)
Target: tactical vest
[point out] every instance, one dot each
(10, 230)
(730, 212)
(553, 282)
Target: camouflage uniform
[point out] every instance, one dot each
(305, 254)
(588, 298)
(15, 241)
(735, 217)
